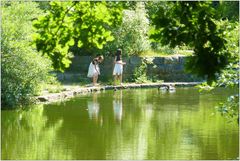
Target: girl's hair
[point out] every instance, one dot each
(119, 51)
(100, 57)
(119, 54)
(96, 59)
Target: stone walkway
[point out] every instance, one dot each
(71, 92)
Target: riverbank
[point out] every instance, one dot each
(72, 91)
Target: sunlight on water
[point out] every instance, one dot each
(125, 124)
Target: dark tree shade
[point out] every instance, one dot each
(193, 23)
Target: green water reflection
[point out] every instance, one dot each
(127, 124)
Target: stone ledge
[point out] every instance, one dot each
(53, 97)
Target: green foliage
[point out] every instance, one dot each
(230, 108)
(140, 73)
(23, 69)
(65, 24)
(43, 5)
(56, 88)
(193, 24)
(157, 7)
(228, 10)
(132, 35)
(229, 76)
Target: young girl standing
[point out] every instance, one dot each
(94, 70)
(118, 67)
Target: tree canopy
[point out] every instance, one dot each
(194, 24)
(68, 23)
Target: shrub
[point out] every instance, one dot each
(132, 35)
(23, 69)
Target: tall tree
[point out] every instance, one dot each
(68, 23)
(193, 24)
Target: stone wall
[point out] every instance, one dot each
(169, 69)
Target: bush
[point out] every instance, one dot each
(132, 35)
(23, 69)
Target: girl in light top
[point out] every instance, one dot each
(118, 67)
(94, 70)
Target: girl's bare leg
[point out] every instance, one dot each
(115, 79)
(95, 78)
(120, 78)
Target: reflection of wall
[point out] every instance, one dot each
(162, 68)
(180, 97)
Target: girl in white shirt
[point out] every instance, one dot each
(118, 67)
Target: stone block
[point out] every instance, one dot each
(42, 98)
(182, 59)
(158, 60)
(171, 60)
(135, 60)
(149, 60)
(179, 67)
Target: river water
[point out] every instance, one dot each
(124, 124)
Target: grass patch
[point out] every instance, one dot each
(164, 53)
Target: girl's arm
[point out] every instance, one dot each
(123, 63)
